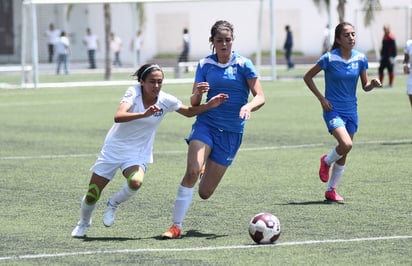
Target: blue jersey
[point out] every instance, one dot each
(230, 78)
(341, 79)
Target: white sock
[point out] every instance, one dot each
(182, 204)
(337, 172)
(125, 193)
(86, 211)
(332, 157)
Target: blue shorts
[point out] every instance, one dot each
(333, 120)
(223, 144)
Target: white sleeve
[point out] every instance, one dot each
(130, 95)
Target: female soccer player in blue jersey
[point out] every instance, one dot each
(129, 143)
(216, 134)
(342, 66)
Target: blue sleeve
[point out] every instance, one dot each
(250, 70)
(199, 77)
(323, 61)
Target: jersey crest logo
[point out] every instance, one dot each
(355, 65)
(157, 114)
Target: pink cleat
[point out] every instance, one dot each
(324, 169)
(333, 196)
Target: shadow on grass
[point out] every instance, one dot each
(316, 202)
(195, 233)
(103, 239)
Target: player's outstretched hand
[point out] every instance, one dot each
(151, 110)
(218, 100)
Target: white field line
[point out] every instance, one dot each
(98, 83)
(147, 250)
(65, 156)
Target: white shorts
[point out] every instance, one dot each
(107, 168)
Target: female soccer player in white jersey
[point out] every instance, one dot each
(129, 143)
(216, 134)
(342, 66)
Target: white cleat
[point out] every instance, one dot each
(81, 229)
(109, 215)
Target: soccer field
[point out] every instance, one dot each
(50, 137)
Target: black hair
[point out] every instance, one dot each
(218, 26)
(144, 70)
(338, 32)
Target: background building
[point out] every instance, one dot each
(164, 21)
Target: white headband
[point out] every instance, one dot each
(150, 67)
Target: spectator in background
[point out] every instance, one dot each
(91, 41)
(116, 45)
(62, 50)
(53, 36)
(184, 55)
(388, 54)
(136, 45)
(288, 47)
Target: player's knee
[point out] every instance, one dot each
(93, 194)
(134, 184)
(192, 174)
(205, 194)
(135, 180)
(347, 146)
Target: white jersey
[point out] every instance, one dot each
(62, 45)
(116, 44)
(53, 36)
(408, 50)
(135, 139)
(91, 41)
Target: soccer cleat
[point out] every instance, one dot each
(324, 169)
(172, 233)
(81, 229)
(109, 215)
(333, 196)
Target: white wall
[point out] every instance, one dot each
(164, 23)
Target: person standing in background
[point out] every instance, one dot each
(53, 36)
(116, 45)
(184, 55)
(62, 51)
(407, 69)
(388, 55)
(91, 41)
(136, 45)
(288, 47)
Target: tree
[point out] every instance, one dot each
(369, 6)
(107, 31)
